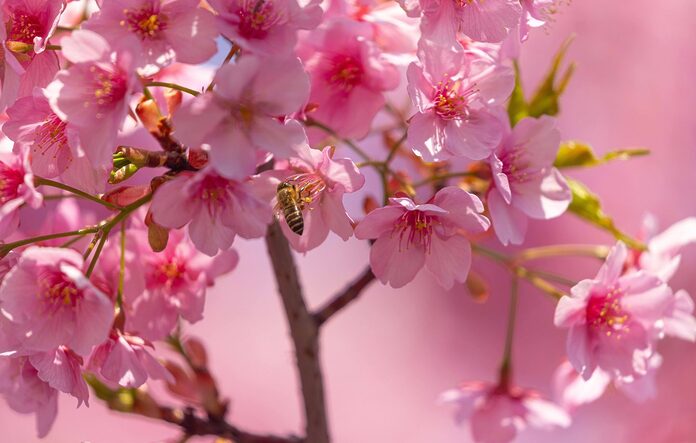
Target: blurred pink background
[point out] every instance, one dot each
(387, 357)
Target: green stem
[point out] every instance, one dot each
(174, 86)
(311, 122)
(506, 365)
(5, 249)
(395, 148)
(38, 181)
(106, 229)
(596, 251)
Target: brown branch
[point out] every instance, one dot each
(340, 301)
(191, 424)
(304, 331)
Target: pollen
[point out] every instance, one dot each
(606, 315)
(345, 74)
(146, 23)
(450, 101)
(415, 228)
(23, 28)
(57, 290)
(257, 17)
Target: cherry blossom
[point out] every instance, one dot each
(26, 27)
(410, 235)
(456, 99)
(26, 393)
(614, 319)
(168, 30)
(322, 181)
(175, 282)
(50, 303)
(217, 208)
(92, 94)
(242, 114)
(498, 413)
(125, 360)
(525, 182)
(34, 127)
(16, 189)
(266, 26)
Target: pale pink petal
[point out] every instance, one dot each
(425, 137)
(377, 222)
(394, 263)
(681, 322)
(509, 223)
(231, 152)
(613, 265)
(475, 137)
(464, 209)
(570, 311)
(544, 414)
(335, 216)
(282, 139)
(544, 197)
(167, 208)
(94, 315)
(209, 235)
(449, 260)
(580, 351)
(572, 390)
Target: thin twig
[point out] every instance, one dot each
(304, 332)
(340, 301)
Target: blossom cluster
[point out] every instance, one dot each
(96, 285)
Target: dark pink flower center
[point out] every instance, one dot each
(10, 181)
(415, 228)
(345, 73)
(56, 289)
(257, 17)
(462, 3)
(450, 101)
(24, 27)
(605, 315)
(50, 138)
(108, 88)
(169, 273)
(516, 164)
(146, 23)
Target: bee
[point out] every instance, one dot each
(290, 206)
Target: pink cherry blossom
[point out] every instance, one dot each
(662, 256)
(215, 208)
(349, 77)
(525, 182)
(25, 22)
(49, 303)
(456, 96)
(175, 283)
(614, 319)
(92, 94)
(243, 114)
(498, 414)
(125, 360)
(34, 127)
(481, 20)
(61, 368)
(26, 393)
(535, 14)
(572, 390)
(266, 26)
(322, 182)
(410, 235)
(16, 189)
(168, 30)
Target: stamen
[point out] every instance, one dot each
(450, 103)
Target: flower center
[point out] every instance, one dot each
(606, 315)
(215, 193)
(146, 23)
(169, 273)
(24, 28)
(108, 87)
(310, 187)
(256, 17)
(10, 181)
(415, 228)
(57, 289)
(50, 136)
(516, 166)
(450, 101)
(345, 73)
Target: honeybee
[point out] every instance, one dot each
(290, 205)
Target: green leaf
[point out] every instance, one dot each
(575, 153)
(517, 107)
(545, 101)
(587, 206)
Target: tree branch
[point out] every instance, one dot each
(341, 300)
(304, 331)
